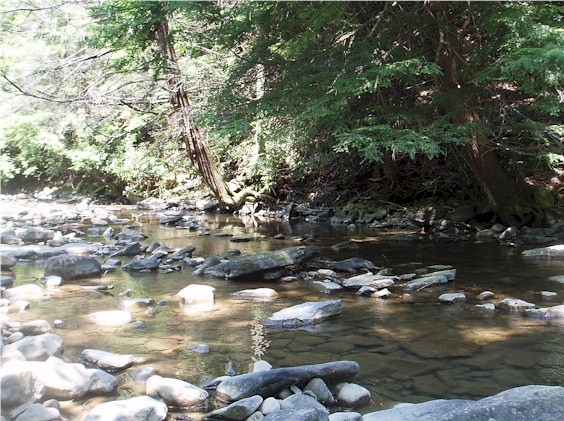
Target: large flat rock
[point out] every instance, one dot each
(256, 263)
(526, 403)
(304, 314)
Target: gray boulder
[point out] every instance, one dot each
(7, 261)
(555, 252)
(452, 297)
(424, 282)
(107, 361)
(101, 383)
(72, 267)
(271, 382)
(37, 348)
(352, 395)
(176, 393)
(370, 280)
(36, 234)
(38, 412)
(148, 263)
(19, 385)
(319, 388)
(539, 403)
(207, 263)
(345, 416)
(140, 408)
(301, 414)
(302, 401)
(304, 314)
(352, 264)
(239, 410)
(256, 263)
(515, 305)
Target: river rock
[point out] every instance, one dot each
(542, 403)
(101, 382)
(38, 412)
(352, 264)
(129, 234)
(486, 295)
(515, 305)
(38, 348)
(24, 292)
(319, 388)
(450, 273)
(239, 410)
(326, 286)
(302, 401)
(302, 414)
(257, 293)
(352, 395)
(7, 261)
(256, 263)
(36, 234)
(141, 263)
(107, 361)
(452, 297)
(35, 327)
(208, 263)
(132, 249)
(195, 293)
(345, 416)
(555, 252)
(19, 385)
(424, 282)
(269, 383)
(62, 380)
(304, 314)
(6, 281)
(72, 267)
(110, 317)
(369, 280)
(176, 392)
(270, 405)
(140, 408)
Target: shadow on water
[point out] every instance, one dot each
(408, 351)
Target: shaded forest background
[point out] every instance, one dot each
(331, 103)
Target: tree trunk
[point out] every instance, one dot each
(198, 151)
(509, 197)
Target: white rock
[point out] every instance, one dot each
(453, 297)
(107, 361)
(38, 348)
(101, 383)
(261, 365)
(353, 396)
(38, 412)
(270, 405)
(176, 392)
(19, 385)
(140, 408)
(24, 292)
(197, 293)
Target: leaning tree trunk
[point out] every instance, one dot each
(510, 198)
(198, 151)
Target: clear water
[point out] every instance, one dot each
(408, 352)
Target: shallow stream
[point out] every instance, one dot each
(407, 351)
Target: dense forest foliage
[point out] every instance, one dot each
(336, 103)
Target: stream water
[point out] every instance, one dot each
(408, 351)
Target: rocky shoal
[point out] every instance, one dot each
(35, 375)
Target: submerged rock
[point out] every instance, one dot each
(72, 267)
(304, 314)
(251, 264)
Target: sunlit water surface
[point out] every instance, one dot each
(408, 352)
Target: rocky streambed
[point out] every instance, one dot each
(350, 319)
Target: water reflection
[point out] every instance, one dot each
(408, 351)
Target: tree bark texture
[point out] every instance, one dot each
(198, 151)
(509, 197)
